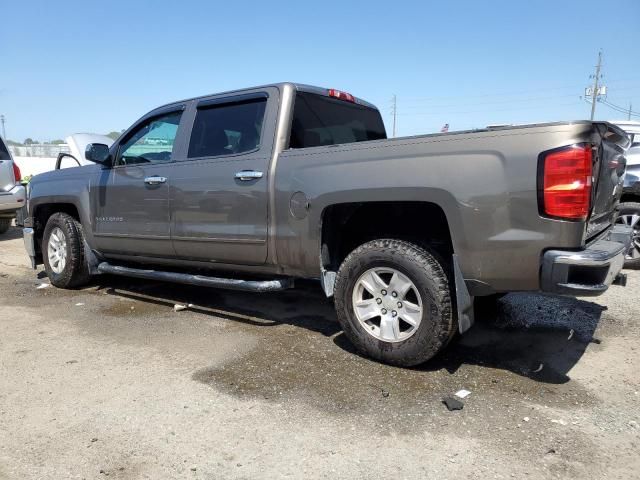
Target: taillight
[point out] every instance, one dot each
(16, 172)
(347, 97)
(565, 182)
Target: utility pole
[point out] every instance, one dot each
(594, 94)
(630, 109)
(4, 134)
(394, 111)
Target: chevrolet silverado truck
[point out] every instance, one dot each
(12, 193)
(251, 189)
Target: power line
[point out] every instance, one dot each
(628, 111)
(528, 107)
(493, 102)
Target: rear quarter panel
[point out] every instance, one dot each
(485, 182)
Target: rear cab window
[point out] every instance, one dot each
(321, 120)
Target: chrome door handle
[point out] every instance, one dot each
(247, 175)
(155, 180)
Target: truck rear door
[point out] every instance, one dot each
(219, 193)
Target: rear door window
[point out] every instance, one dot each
(227, 128)
(320, 120)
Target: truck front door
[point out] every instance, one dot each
(130, 200)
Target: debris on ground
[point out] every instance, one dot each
(462, 393)
(178, 307)
(526, 419)
(385, 394)
(452, 403)
(560, 422)
(539, 369)
(79, 304)
(43, 285)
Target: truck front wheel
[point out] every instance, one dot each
(393, 301)
(63, 252)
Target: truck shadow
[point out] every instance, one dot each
(537, 336)
(13, 233)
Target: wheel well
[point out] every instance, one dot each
(42, 213)
(348, 225)
(629, 197)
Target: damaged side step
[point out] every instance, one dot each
(199, 280)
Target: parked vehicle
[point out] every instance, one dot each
(629, 213)
(287, 181)
(12, 193)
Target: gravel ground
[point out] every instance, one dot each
(110, 381)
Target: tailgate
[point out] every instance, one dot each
(7, 181)
(610, 144)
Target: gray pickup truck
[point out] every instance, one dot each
(290, 181)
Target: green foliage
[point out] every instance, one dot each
(113, 135)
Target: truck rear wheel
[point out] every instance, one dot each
(5, 223)
(63, 252)
(393, 301)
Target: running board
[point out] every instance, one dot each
(199, 280)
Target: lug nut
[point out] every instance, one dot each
(394, 313)
(384, 311)
(394, 294)
(384, 292)
(399, 304)
(378, 301)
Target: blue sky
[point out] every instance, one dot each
(81, 66)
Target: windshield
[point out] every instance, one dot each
(320, 120)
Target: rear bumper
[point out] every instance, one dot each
(12, 200)
(587, 272)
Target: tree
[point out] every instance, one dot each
(28, 141)
(56, 142)
(113, 135)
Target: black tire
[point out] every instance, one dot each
(631, 208)
(5, 223)
(437, 325)
(76, 270)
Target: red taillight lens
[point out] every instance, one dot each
(347, 97)
(566, 182)
(16, 172)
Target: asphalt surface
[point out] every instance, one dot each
(111, 382)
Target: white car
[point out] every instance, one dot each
(12, 193)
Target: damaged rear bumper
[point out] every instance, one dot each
(590, 271)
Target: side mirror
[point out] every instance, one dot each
(98, 153)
